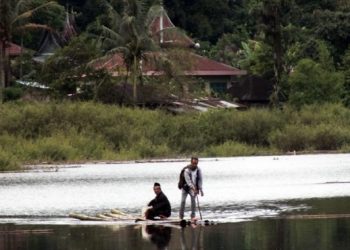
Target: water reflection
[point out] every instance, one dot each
(266, 234)
(194, 238)
(159, 235)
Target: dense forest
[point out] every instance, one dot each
(300, 46)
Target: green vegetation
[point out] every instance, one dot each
(82, 131)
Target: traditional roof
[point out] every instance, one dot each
(49, 44)
(52, 41)
(166, 33)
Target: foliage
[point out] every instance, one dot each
(12, 93)
(56, 132)
(17, 16)
(205, 19)
(69, 69)
(128, 35)
(232, 148)
(7, 162)
(346, 70)
(311, 83)
(256, 58)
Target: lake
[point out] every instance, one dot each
(271, 202)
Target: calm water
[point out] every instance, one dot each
(248, 197)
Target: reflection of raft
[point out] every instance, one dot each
(117, 215)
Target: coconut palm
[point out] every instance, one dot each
(15, 17)
(128, 34)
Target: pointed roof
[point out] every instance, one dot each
(69, 30)
(166, 33)
(48, 46)
(52, 41)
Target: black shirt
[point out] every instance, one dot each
(161, 205)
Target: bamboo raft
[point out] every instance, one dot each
(117, 215)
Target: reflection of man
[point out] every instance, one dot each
(159, 235)
(195, 237)
(159, 206)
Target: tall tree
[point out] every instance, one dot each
(127, 33)
(274, 22)
(15, 16)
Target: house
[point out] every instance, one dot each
(218, 76)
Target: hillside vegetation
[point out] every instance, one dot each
(85, 131)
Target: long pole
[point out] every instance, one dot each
(199, 209)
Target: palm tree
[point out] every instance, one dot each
(15, 17)
(128, 34)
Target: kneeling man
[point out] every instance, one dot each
(159, 206)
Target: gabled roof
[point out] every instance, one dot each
(166, 33)
(201, 66)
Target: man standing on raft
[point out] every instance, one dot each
(192, 186)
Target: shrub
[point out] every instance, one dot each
(232, 148)
(12, 93)
(8, 162)
(311, 83)
(329, 137)
(292, 137)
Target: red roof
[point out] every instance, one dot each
(14, 49)
(201, 66)
(166, 33)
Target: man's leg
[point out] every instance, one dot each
(193, 206)
(150, 214)
(183, 203)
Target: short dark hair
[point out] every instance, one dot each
(194, 158)
(156, 184)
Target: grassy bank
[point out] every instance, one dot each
(60, 132)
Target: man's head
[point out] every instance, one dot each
(156, 188)
(194, 162)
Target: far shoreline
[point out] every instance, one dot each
(46, 166)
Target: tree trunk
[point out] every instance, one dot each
(7, 69)
(2, 71)
(278, 57)
(134, 81)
